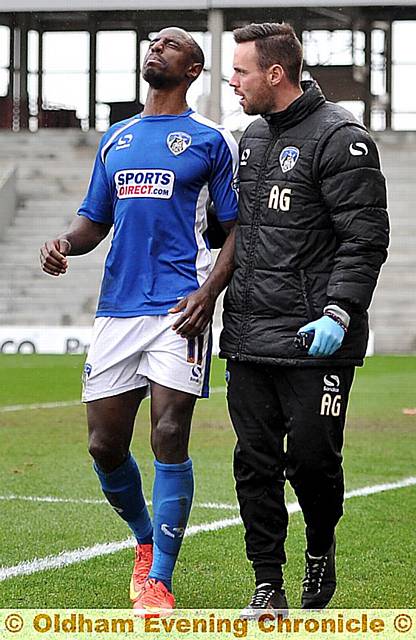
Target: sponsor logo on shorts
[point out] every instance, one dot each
(172, 532)
(86, 372)
(196, 373)
(87, 369)
(144, 183)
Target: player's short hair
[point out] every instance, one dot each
(276, 43)
(196, 51)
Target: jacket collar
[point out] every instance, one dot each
(311, 98)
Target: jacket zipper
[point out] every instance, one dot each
(308, 305)
(253, 232)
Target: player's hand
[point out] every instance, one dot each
(328, 336)
(53, 258)
(197, 310)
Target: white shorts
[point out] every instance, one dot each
(127, 353)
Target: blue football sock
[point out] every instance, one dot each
(172, 499)
(123, 489)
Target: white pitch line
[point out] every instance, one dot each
(66, 558)
(53, 499)
(379, 488)
(217, 505)
(64, 403)
(39, 405)
(57, 500)
(363, 491)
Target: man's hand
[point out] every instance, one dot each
(53, 256)
(328, 336)
(197, 309)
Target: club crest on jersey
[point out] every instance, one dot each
(178, 142)
(288, 158)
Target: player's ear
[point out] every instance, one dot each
(275, 74)
(194, 71)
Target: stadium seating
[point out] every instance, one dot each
(393, 311)
(53, 172)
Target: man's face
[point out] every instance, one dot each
(250, 82)
(168, 61)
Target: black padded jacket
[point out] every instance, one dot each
(313, 229)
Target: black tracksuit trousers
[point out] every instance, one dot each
(307, 405)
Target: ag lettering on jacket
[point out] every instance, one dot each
(280, 198)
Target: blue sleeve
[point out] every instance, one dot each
(223, 179)
(98, 203)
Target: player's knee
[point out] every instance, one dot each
(107, 454)
(168, 442)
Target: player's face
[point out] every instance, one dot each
(168, 61)
(250, 82)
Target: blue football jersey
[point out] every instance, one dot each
(153, 180)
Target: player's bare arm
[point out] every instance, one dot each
(198, 307)
(82, 237)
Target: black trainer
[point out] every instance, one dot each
(319, 583)
(265, 598)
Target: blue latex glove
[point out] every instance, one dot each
(328, 336)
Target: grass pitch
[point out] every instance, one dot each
(43, 454)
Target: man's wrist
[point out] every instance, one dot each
(212, 288)
(340, 316)
(65, 239)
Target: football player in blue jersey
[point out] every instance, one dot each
(154, 176)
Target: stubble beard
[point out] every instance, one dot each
(259, 107)
(251, 110)
(155, 78)
(158, 79)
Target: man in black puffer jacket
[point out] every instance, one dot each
(312, 236)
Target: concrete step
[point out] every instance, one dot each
(36, 305)
(398, 174)
(33, 208)
(40, 182)
(55, 170)
(392, 278)
(29, 157)
(34, 236)
(52, 190)
(49, 221)
(54, 318)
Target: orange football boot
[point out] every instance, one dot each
(142, 564)
(154, 600)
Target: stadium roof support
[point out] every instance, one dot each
(346, 82)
